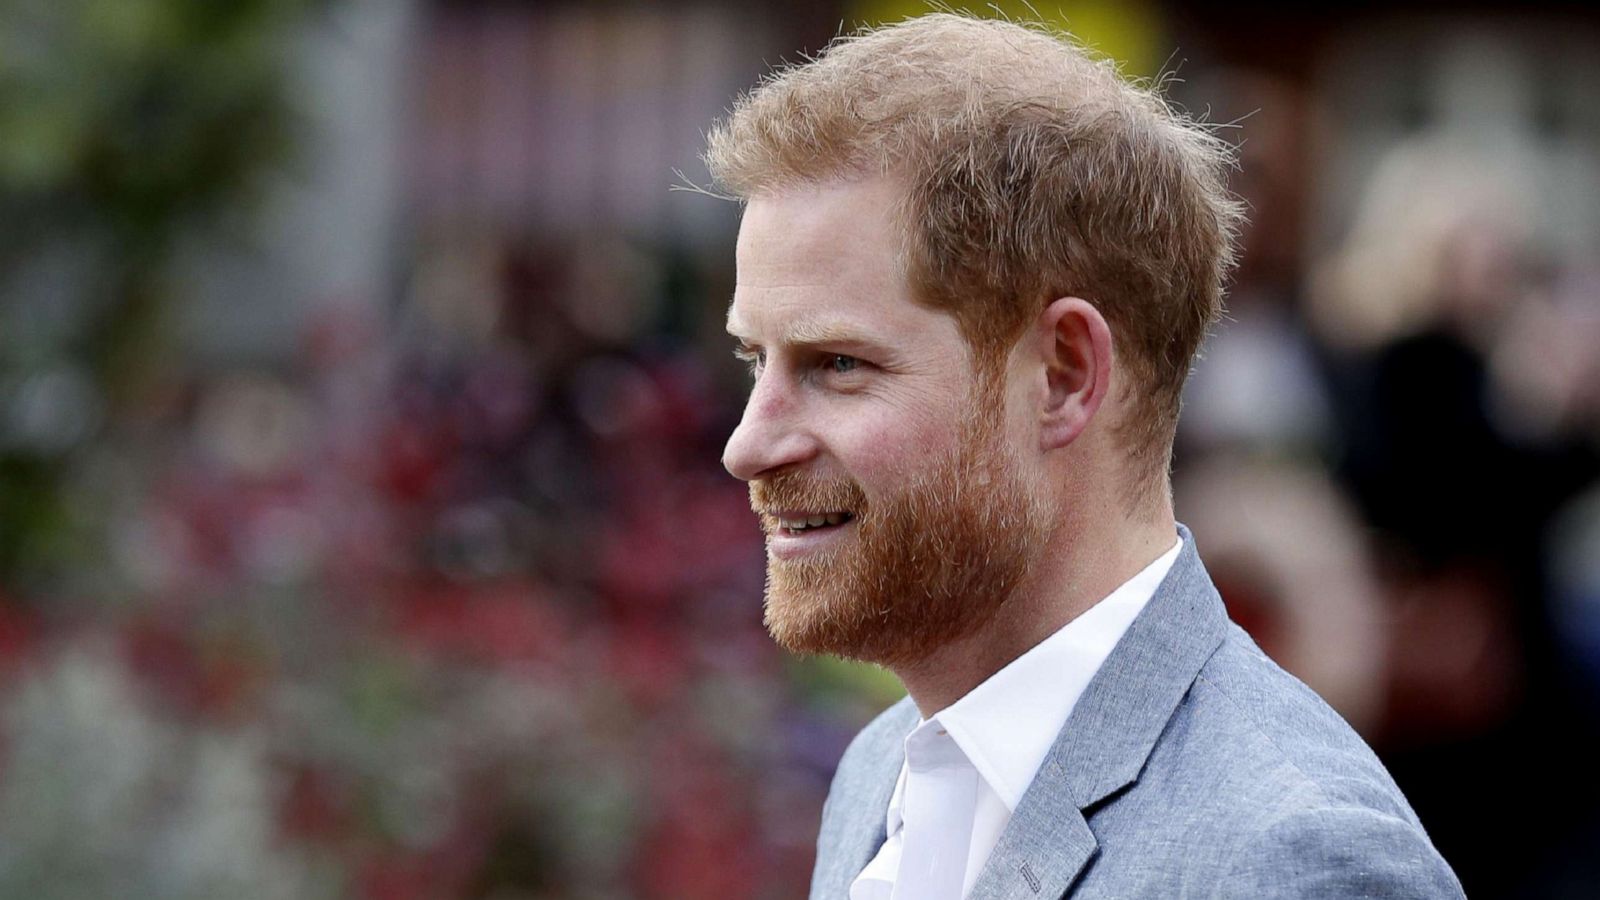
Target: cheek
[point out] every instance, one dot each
(889, 444)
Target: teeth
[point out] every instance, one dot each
(813, 521)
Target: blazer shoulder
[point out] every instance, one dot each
(1336, 852)
(1263, 719)
(1285, 797)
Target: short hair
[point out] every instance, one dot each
(1032, 171)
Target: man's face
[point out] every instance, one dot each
(898, 516)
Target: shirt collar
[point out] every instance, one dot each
(1007, 724)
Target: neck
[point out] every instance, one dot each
(1085, 565)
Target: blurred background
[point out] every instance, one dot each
(363, 383)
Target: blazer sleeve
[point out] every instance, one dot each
(1340, 853)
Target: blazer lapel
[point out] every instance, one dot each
(853, 823)
(1111, 732)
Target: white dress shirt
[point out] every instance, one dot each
(994, 739)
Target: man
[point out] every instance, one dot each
(973, 269)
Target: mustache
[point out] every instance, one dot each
(792, 491)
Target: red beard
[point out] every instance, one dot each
(934, 562)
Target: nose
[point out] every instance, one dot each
(771, 436)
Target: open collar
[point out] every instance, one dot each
(1101, 748)
(1007, 725)
(1109, 735)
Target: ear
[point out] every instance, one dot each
(1075, 343)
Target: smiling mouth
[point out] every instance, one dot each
(789, 524)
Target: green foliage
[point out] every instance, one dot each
(123, 123)
(833, 682)
(140, 112)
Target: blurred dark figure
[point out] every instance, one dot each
(1442, 367)
(1460, 453)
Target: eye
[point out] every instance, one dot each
(843, 365)
(755, 358)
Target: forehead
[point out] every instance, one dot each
(826, 255)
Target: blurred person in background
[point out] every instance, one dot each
(973, 269)
(1426, 213)
(1458, 353)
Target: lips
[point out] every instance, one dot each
(795, 535)
(801, 514)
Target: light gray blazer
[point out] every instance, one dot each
(1192, 766)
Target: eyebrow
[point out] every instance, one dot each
(818, 333)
